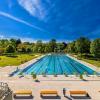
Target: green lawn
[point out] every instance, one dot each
(93, 62)
(88, 58)
(17, 59)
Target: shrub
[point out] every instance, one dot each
(94, 73)
(81, 76)
(75, 73)
(1, 51)
(33, 75)
(65, 74)
(44, 74)
(21, 74)
(10, 49)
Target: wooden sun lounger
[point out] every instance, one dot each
(78, 92)
(48, 92)
(23, 92)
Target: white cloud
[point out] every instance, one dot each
(2, 36)
(27, 39)
(21, 21)
(23, 39)
(34, 7)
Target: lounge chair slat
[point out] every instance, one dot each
(72, 93)
(23, 92)
(44, 92)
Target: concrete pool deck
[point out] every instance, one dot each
(92, 85)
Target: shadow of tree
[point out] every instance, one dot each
(12, 56)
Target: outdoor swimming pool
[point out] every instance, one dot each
(57, 64)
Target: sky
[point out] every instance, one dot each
(64, 20)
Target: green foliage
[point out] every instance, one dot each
(4, 43)
(38, 46)
(13, 42)
(71, 47)
(76, 74)
(21, 73)
(21, 48)
(53, 45)
(92, 61)
(10, 49)
(2, 50)
(44, 74)
(33, 75)
(81, 76)
(66, 75)
(94, 73)
(60, 47)
(18, 42)
(47, 48)
(24, 48)
(28, 50)
(82, 45)
(16, 59)
(95, 47)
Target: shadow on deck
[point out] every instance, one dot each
(81, 97)
(51, 97)
(23, 98)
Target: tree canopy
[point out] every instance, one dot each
(10, 49)
(79, 46)
(82, 45)
(95, 47)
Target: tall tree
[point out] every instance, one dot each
(13, 42)
(21, 48)
(1, 51)
(82, 45)
(18, 41)
(53, 45)
(10, 49)
(38, 46)
(60, 47)
(95, 47)
(47, 48)
(71, 47)
(4, 43)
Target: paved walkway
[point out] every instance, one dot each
(92, 85)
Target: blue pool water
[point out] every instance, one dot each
(57, 64)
